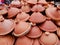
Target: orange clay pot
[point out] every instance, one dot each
(35, 32)
(24, 41)
(58, 31)
(48, 26)
(12, 12)
(53, 13)
(49, 39)
(21, 28)
(38, 8)
(36, 42)
(6, 26)
(37, 17)
(23, 16)
(6, 40)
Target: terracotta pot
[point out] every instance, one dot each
(35, 32)
(49, 39)
(25, 8)
(53, 13)
(38, 8)
(37, 17)
(21, 28)
(6, 26)
(36, 42)
(32, 1)
(12, 12)
(23, 16)
(15, 3)
(6, 40)
(24, 41)
(58, 31)
(48, 26)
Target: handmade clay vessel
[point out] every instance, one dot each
(38, 8)
(58, 31)
(23, 16)
(48, 26)
(53, 13)
(6, 26)
(21, 28)
(24, 41)
(6, 40)
(36, 42)
(12, 12)
(49, 39)
(37, 17)
(35, 32)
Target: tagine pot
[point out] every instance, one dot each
(7, 40)
(35, 32)
(23, 16)
(24, 41)
(21, 28)
(6, 25)
(53, 13)
(37, 17)
(12, 12)
(38, 8)
(48, 39)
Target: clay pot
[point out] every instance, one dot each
(32, 1)
(12, 12)
(37, 17)
(49, 39)
(35, 32)
(6, 26)
(15, 3)
(21, 28)
(6, 40)
(58, 31)
(36, 42)
(53, 13)
(24, 41)
(48, 26)
(25, 8)
(23, 16)
(38, 8)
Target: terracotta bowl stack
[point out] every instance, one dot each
(30, 22)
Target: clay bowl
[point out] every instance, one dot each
(15, 3)
(58, 31)
(23, 16)
(48, 39)
(48, 26)
(21, 28)
(38, 8)
(25, 8)
(6, 40)
(24, 41)
(12, 12)
(35, 32)
(53, 13)
(37, 17)
(6, 26)
(36, 42)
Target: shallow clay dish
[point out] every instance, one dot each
(38, 8)
(37, 17)
(35, 32)
(49, 39)
(53, 13)
(6, 26)
(12, 12)
(23, 16)
(48, 26)
(24, 41)
(21, 28)
(6, 40)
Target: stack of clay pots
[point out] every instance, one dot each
(30, 22)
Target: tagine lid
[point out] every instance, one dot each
(37, 17)
(35, 32)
